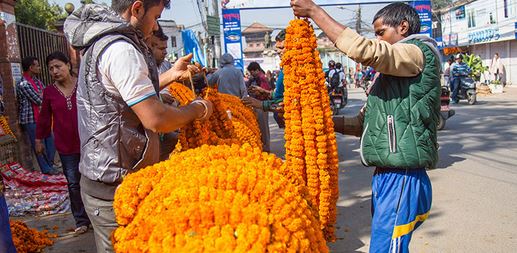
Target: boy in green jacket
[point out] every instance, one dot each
(398, 134)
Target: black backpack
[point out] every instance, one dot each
(334, 79)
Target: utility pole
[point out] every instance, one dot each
(216, 39)
(358, 20)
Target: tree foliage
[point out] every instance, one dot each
(439, 4)
(39, 13)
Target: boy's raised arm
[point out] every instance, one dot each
(400, 59)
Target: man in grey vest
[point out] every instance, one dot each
(119, 112)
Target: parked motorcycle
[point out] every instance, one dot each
(445, 111)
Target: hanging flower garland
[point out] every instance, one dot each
(311, 149)
(4, 124)
(215, 199)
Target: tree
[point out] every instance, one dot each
(38, 13)
(439, 4)
(87, 1)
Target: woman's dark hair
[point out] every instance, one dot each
(393, 14)
(255, 66)
(120, 6)
(60, 56)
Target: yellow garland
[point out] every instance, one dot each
(219, 129)
(311, 149)
(4, 123)
(215, 199)
(182, 93)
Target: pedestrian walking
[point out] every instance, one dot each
(58, 116)
(228, 78)
(29, 93)
(497, 69)
(400, 119)
(120, 114)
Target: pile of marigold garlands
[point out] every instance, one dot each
(220, 193)
(29, 240)
(231, 123)
(216, 199)
(310, 142)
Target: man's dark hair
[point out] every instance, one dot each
(280, 36)
(120, 6)
(393, 14)
(27, 62)
(339, 65)
(159, 34)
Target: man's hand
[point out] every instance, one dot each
(39, 147)
(255, 103)
(181, 71)
(304, 8)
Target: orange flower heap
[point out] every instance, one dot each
(27, 240)
(215, 199)
(311, 148)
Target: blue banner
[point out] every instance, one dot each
(191, 45)
(233, 35)
(424, 11)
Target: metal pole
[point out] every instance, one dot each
(217, 39)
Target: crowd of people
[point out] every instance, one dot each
(107, 120)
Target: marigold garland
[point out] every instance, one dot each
(311, 149)
(219, 129)
(216, 199)
(28, 240)
(4, 123)
(182, 93)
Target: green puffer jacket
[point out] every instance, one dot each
(401, 118)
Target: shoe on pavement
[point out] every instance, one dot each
(81, 230)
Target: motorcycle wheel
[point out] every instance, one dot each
(335, 110)
(471, 99)
(441, 123)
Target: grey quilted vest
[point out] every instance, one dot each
(113, 140)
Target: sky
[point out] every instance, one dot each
(185, 12)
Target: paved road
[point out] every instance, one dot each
(475, 186)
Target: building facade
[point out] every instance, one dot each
(175, 43)
(484, 28)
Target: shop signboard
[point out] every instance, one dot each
(424, 12)
(233, 35)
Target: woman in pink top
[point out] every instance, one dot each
(59, 115)
(259, 88)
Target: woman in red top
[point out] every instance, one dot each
(259, 88)
(59, 113)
